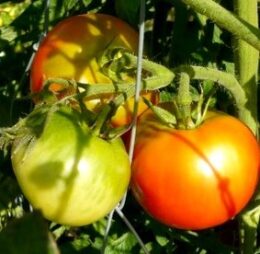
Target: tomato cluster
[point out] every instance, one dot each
(67, 171)
(189, 179)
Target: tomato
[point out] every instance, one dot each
(194, 179)
(70, 50)
(72, 176)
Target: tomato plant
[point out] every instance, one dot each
(72, 50)
(197, 53)
(71, 175)
(197, 178)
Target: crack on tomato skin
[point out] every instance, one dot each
(223, 183)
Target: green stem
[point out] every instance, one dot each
(156, 76)
(227, 20)
(228, 81)
(246, 65)
(101, 119)
(90, 90)
(184, 101)
(247, 58)
(159, 77)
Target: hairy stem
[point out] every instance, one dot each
(246, 65)
(227, 20)
(247, 58)
(184, 100)
(228, 81)
(159, 76)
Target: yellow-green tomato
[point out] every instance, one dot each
(71, 175)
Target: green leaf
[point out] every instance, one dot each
(121, 245)
(164, 115)
(128, 10)
(77, 246)
(9, 190)
(100, 226)
(217, 35)
(28, 235)
(161, 240)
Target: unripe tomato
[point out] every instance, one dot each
(194, 179)
(71, 175)
(71, 49)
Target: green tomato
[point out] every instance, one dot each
(71, 175)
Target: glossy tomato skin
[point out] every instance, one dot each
(71, 50)
(194, 179)
(72, 176)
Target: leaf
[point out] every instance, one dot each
(121, 245)
(28, 235)
(77, 246)
(100, 226)
(164, 115)
(217, 35)
(9, 190)
(128, 10)
(162, 240)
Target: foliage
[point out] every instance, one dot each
(176, 35)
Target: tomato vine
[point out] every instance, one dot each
(189, 93)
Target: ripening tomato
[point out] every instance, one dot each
(71, 175)
(71, 49)
(194, 179)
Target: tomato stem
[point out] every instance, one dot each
(226, 19)
(247, 58)
(102, 117)
(246, 65)
(226, 80)
(184, 101)
(159, 77)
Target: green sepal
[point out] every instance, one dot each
(164, 115)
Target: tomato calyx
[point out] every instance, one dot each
(30, 126)
(21, 129)
(179, 114)
(115, 64)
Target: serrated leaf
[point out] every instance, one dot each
(122, 245)
(100, 226)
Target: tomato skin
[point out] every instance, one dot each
(72, 176)
(194, 179)
(71, 49)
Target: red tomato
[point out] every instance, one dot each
(70, 50)
(194, 179)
